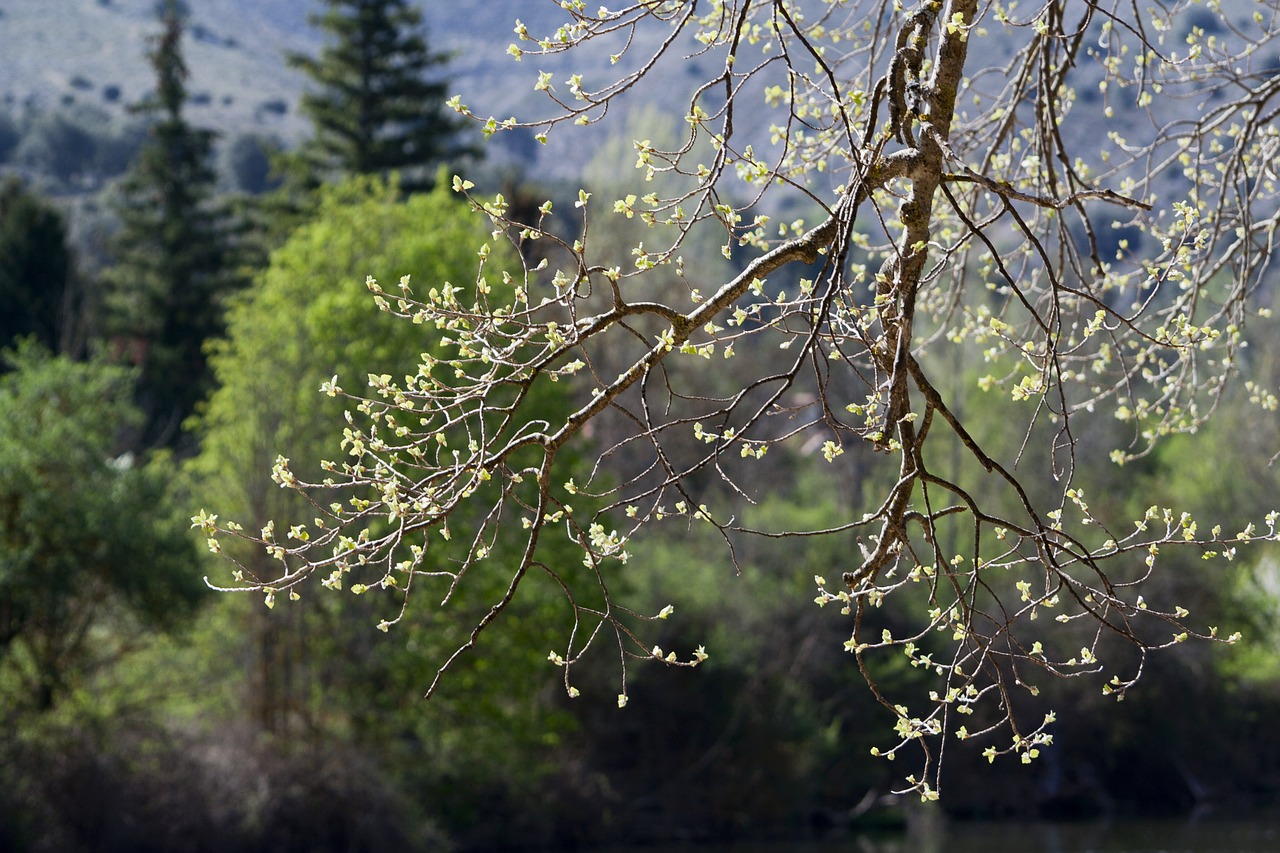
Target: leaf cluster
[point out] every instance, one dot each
(86, 536)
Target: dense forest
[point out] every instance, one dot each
(208, 639)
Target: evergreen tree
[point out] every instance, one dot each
(173, 252)
(373, 108)
(37, 291)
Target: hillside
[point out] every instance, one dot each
(89, 53)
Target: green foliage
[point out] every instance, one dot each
(36, 270)
(1227, 486)
(775, 689)
(87, 539)
(173, 252)
(310, 316)
(319, 660)
(373, 107)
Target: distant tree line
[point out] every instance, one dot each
(104, 361)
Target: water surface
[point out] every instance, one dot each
(1256, 834)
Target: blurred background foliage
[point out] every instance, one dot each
(140, 712)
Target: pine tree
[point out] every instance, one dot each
(373, 107)
(173, 253)
(38, 293)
